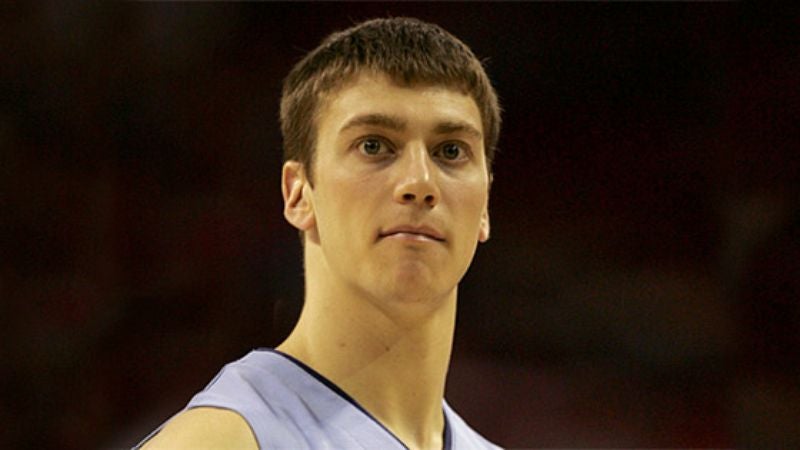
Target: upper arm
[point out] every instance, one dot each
(204, 427)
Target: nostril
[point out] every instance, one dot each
(408, 197)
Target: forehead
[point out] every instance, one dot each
(377, 93)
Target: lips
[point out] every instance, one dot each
(411, 232)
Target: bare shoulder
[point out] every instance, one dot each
(205, 428)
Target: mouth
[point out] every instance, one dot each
(412, 233)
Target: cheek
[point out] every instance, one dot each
(341, 205)
(471, 201)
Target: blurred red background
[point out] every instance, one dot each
(640, 288)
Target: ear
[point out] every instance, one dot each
(483, 232)
(298, 207)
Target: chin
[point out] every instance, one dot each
(407, 288)
(412, 281)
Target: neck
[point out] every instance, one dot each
(392, 363)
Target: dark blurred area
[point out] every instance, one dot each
(640, 288)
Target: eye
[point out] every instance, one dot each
(452, 151)
(372, 146)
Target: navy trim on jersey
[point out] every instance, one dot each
(446, 437)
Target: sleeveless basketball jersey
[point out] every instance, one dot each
(288, 405)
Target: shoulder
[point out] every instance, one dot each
(205, 427)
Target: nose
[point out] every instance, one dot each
(417, 183)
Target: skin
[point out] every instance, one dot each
(398, 204)
(380, 308)
(205, 428)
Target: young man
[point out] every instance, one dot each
(389, 130)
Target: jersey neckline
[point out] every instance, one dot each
(446, 435)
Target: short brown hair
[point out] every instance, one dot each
(408, 50)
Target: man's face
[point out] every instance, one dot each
(400, 192)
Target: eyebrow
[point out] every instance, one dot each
(458, 127)
(397, 124)
(376, 120)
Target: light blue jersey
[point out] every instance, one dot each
(288, 405)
